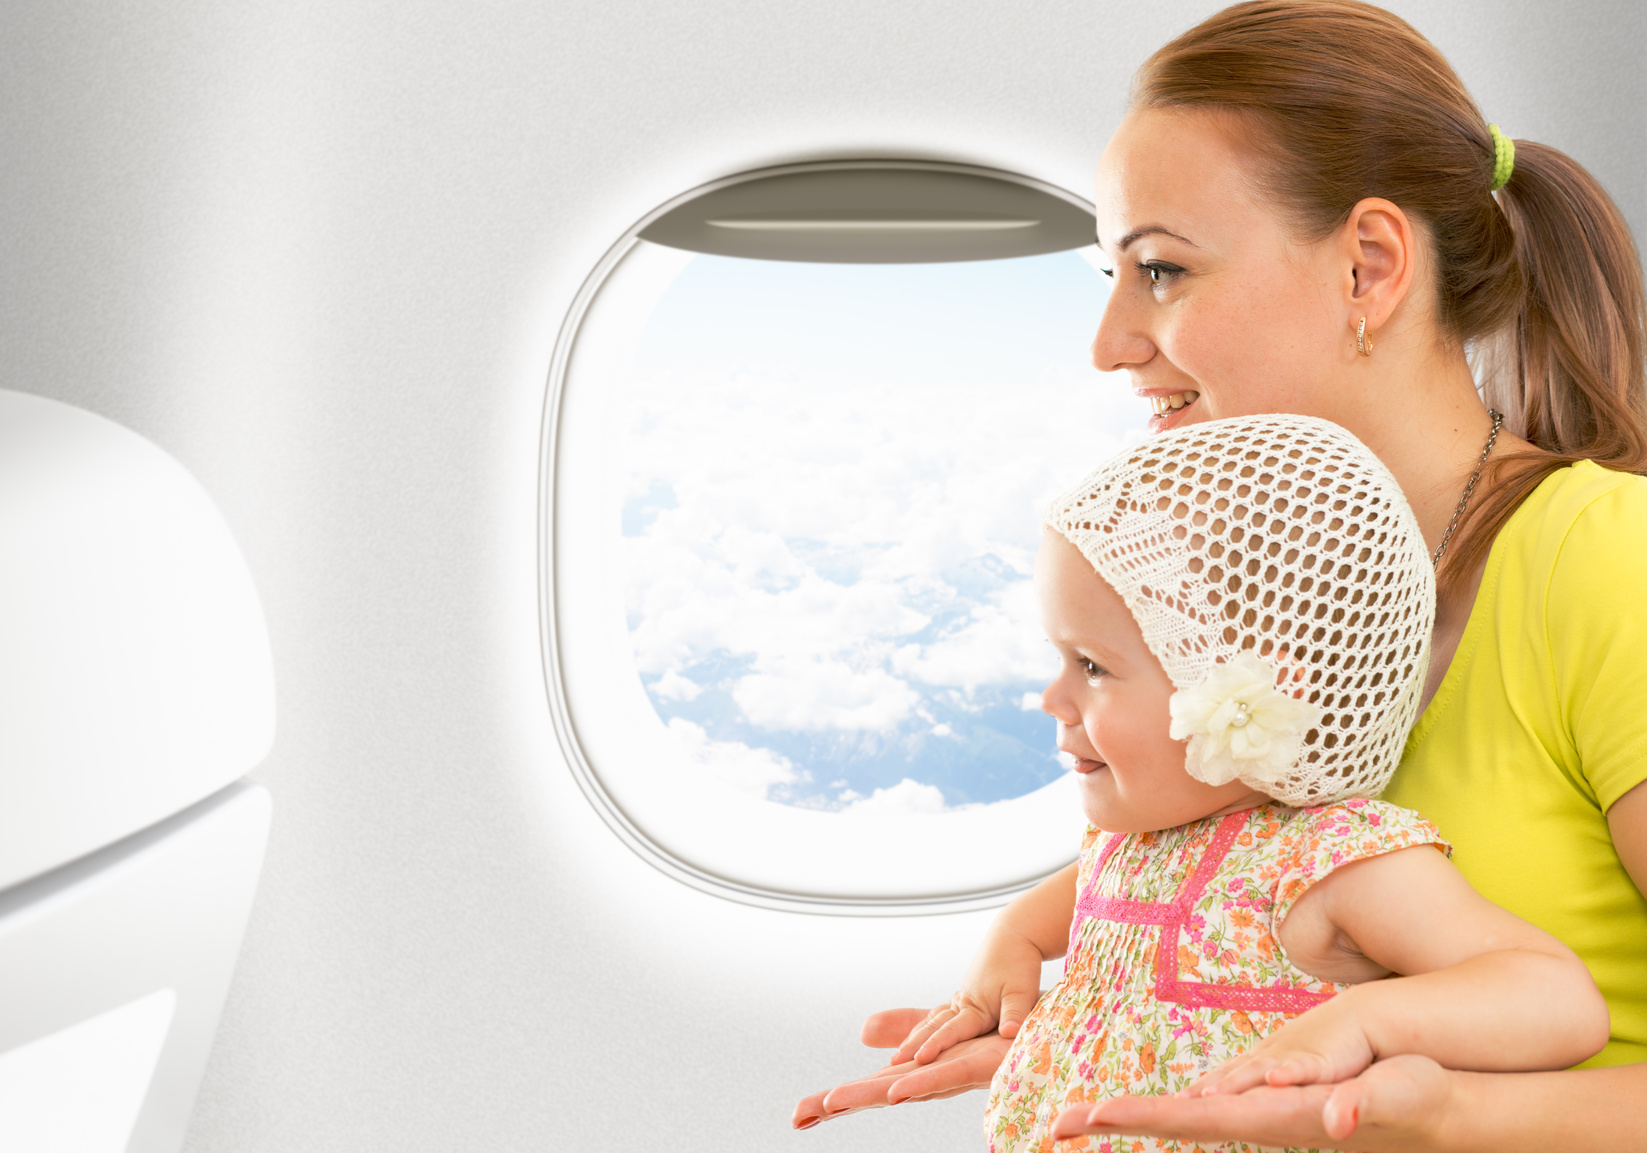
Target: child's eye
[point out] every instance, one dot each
(1093, 670)
(1159, 272)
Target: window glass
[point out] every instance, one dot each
(831, 479)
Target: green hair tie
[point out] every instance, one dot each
(1503, 157)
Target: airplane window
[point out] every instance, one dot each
(794, 520)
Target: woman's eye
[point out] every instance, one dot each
(1109, 272)
(1159, 272)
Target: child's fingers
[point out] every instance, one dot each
(1300, 1069)
(963, 1025)
(917, 1037)
(1015, 1007)
(1235, 1076)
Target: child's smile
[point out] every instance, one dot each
(1110, 701)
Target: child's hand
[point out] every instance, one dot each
(1001, 986)
(1323, 1046)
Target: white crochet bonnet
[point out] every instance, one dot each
(1278, 575)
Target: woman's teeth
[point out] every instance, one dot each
(1165, 404)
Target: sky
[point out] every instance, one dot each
(834, 475)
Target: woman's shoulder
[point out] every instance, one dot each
(1583, 507)
(1574, 544)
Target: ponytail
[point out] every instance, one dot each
(1567, 371)
(1543, 285)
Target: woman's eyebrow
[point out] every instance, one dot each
(1147, 230)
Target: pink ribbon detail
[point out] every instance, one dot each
(1171, 917)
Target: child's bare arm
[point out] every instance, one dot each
(1484, 989)
(1003, 981)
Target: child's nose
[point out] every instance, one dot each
(1055, 705)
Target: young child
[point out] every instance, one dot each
(1259, 589)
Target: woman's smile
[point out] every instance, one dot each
(1168, 409)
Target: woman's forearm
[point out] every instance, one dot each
(1593, 1110)
(1407, 1104)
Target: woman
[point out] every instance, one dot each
(1306, 213)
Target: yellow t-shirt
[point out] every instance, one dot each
(1541, 724)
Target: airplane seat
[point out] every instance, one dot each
(136, 690)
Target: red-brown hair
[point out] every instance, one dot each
(1544, 284)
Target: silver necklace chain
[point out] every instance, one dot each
(1469, 487)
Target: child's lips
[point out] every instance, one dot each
(1086, 765)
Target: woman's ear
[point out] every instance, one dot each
(1379, 244)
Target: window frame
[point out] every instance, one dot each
(565, 562)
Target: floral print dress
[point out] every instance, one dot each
(1174, 962)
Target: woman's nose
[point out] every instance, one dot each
(1119, 342)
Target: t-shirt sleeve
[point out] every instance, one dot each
(1333, 836)
(1596, 627)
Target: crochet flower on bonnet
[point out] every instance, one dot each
(1239, 725)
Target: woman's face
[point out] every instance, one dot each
(1215, 311)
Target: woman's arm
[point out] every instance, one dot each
(1403, 1105)
(1485, 990)
(1411, 1104)
(959, 1069)
(952, 1048)
(1627, 821)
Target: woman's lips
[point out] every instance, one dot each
(1168, 409)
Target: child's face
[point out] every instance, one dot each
(1110, 702)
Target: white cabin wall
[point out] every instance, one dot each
(320, 252)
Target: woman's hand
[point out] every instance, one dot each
(999, 989)
(1323, 1046)
(962, 1067)
(1401, 1103)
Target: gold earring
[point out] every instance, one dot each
(1363, 342)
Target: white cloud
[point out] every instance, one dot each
(907, 798)
(942, 730)
(823, 694)
(820, 519)
(1030, 702)
(672, 686)
(751, 771)
(1000, 641)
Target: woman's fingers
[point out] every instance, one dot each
(1405, 1096)
(888, 1028)
(1262, 1116)
(970, 1064)
(967, 1065)
(1392, 1105)
(809, 1112)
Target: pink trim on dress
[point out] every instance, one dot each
(1172, 917)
